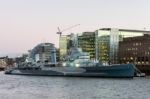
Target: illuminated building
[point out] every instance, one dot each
(103, 46)
(87, 42)
(65, 43)
(108, 43)
(135, 50)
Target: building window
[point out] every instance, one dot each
(147, 62)
(146, 58)
(136, 44)
(142, 62)
(136, 49)
(139, 62)
(140, 43)
(124, 58)
(131, 58)
(128, 49)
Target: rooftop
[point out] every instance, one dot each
(127, 30)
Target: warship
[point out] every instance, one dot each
(77, 64)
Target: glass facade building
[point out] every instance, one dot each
(103, 49)
(65, 43)
(87, 42)
(102, 44)
(108, 43)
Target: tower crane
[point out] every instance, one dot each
(60, 32)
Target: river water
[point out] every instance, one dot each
(39, 87)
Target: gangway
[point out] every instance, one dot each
(138, 73)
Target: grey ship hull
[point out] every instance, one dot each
(114, 71)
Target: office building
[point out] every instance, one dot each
(135, 50)
(108, 42)
(43, 52)
(65, 43)
(103, 49)
(87, 42)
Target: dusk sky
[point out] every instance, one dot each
(25, 23)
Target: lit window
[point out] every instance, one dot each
(135, 48)
(140, 43)
(131, 58)
(139, 62)
(128, 49)
(147, 62)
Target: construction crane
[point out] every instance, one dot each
(60, 32)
